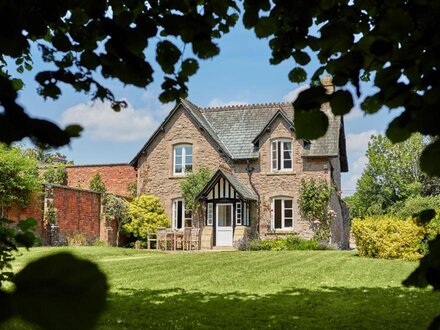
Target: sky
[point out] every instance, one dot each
(240, 74)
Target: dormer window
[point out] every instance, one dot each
(182, 159)
(281, 155)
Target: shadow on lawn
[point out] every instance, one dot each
(327, 308)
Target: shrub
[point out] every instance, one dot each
(145, 214)
(96, 184)
(77, 240)
(388, 237)
(279, 244)
(432, 229)
(414, 205)
(314, 198)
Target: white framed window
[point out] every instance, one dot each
(182, 155)
(181, 217)
(281, 155)
(209, 214)
(282, 213)
(238, 213)
(245, 215)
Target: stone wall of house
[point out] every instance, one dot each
(285, 184)
(77, 214)
(155, 173)
(116, 177)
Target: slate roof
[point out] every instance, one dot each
(237, 128)
(235, 182)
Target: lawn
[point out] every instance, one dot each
(242, 290)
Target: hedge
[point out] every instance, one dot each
(392, 238)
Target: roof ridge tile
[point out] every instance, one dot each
(245, 106)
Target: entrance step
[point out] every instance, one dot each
(224, 248)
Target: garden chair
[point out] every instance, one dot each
(186, 242)
(195, 238)
(161, 237)
(152, 237)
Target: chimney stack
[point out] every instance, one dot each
(327, 83)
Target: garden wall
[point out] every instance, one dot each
(116, 177)
(68, 215)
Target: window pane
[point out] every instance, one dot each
(179, 151)
(287, 164)
(288, 203)
(179, 214)
(287, 146)
(224, 216)
(188, 150)
(277, 213)
(188, 168)
(178, 169)
(188, 159)
(210, 214)
(274, 155)
(188, 213)
(288, 213)
(288, 222)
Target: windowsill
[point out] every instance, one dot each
(177, 177)
(280, 173)
(281, 232)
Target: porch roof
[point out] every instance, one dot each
(243, 192)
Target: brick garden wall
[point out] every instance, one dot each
(116, 177)
(78, 214)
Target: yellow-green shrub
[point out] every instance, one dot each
(388, 237)
(145, 214)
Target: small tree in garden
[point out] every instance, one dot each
(96, 183)
(192, 185)
(145, 215)
(117, 208)
(19, 179)
(314, 200)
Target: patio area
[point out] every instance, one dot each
(186, 239)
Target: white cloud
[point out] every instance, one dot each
(358, 142)
(152, 102)
(292, 95)
(354, 114)
(100, 122)
(216, 102)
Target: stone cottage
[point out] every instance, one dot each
(258, 164)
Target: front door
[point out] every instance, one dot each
(224, 225)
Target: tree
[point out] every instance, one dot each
(145, 214)
(391, 175)
(116, 208)
(19, 180)
(96, 183)
(192, 185)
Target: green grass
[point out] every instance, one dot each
(242, 290)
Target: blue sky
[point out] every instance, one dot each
(240, 74)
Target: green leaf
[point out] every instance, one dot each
(265, 27)
(430, 159)
(396, 131)
(341, 102)
(297, 75)
(60, 291)
(310, 124)
(167, 55)
(302, 58)
(189, 67)
(372, 104)
(73, 130)
(311, 98)
(17, 84)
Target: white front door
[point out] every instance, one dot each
(224, 225)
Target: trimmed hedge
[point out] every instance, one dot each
(391, 238)
(280, 244)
